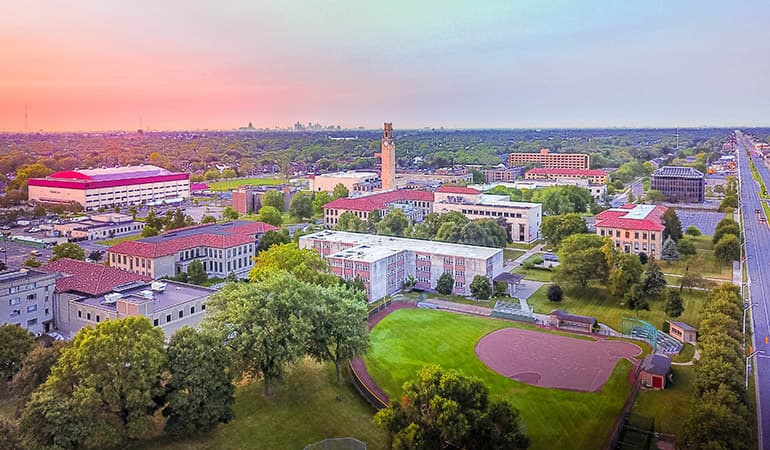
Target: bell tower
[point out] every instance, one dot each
(388, 156)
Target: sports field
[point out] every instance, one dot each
(229, 185)
(409, 339)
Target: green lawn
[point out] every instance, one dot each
(703, 262)
(229, 185)
(535, 274)
(523, 246)
(510, 255)
(309, 406)
(594, 301)
(116, 241)
(670, 406)
(408, 340)
(685, 355)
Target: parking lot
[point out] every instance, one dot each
(14, 254)
(706, 221)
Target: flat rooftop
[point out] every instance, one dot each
(400, 244)
(365, 253)
(504, 201)
(354, 175)
(174, 294)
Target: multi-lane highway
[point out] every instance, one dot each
(757, 238)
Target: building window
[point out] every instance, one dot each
(181, 313)
(31, 308)
(31, 297)
(46, 311)
(168, 318)
(14, 301)
(98, 319)
(80, 314)
(88, 316)
(155, 322)
(192, 310)
(203, 307)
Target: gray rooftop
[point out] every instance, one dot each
(25, 275)
(656, 364)
(173, 294)
(677, 172)
(682, 325)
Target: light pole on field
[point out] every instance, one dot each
(748, 358)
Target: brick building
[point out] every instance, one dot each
(415, 204)
(27, 299)
(593, 176)
(248, 199)
(545, 158)
(679, 184)
(633, 228)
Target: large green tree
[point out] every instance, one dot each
(229, 213)
(672, 303)
(340, 191)
(626, 272)
(68, 250)
(726, 226)
(483, 232)
(273, 237)
(111, 377)
(17, 342)
(728, 248)
(265, 325)
(196, 273)
(54, 421)
(394, 223)
(274, 199)
(348, 221)
(481, 287)
(339, 330)
(301, 206)
(35, 368)
(669, 252)
(654, 282)
(672, 226)
(581, 259)
(442, 409)
(305, 264)
(319, 200)
(555, 229)
(635, 300)
(270, 215)
(199, 390)
(718, 420)
(445, 284)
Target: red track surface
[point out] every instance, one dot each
(552, 361)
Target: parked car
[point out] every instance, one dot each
(550, 257)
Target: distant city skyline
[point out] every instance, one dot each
(92, 65)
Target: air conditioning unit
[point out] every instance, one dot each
(111, 298)
(158, 286)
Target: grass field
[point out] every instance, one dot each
(594, 301)
(116, 241)
(685, 355)
(704, 262)
(510, 254)
(522, 246)
(408, 340)
(308, 407)
(229, 185)
(670, 407)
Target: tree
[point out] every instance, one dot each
(442, 409)
(304, 264)
(555, 293)
(672, 303)
(228, 173)
(340, 191)
(109, 377)
(395, 223)
(686, 247)
(265, 325)
(449, 232)
(273, 237)
(692, 280)
(35, 368)
(24, 173)
(32, 262)
(481, 288)
(669, 252)
(17, 342)
(51, 420)
(339, 330)
(200, 391)
(301, 206)
(10, 433)
(729, 201)
(68, 250)
(320, 199)
(445, 284)
(208, 219)
(634, 299)
(96, 255)
(692, 230)
(626, 271)
(654, 282)
(672, 226)
(153, 221)
(149, 231)
(348, 221)
(643, 258)
(274, 199)
(655, 196)
(726, 226)
(270, 215)
(728, 248)
(554, 229)
(581, 259)
(196, 273)
(228, 213)
(478, 176)
(718, 420)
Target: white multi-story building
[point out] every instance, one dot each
(26, 299)
(106, 187)
(383, 263)
(223, 248)
(100, 226)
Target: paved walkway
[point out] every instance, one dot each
(509, 266)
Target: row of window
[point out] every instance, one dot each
(30, 309)
(643, 234)
(488, 213)
(24, 287)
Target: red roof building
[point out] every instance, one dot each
(222, 248)
(89, 278)
(594, 176)
(415, 204)
(633, 228)
(446, 189)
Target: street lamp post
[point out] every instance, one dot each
(748, 358)
(747, 306)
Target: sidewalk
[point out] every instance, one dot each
(509, 266)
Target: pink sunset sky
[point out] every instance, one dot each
(95, 65)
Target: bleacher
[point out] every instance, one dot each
(513, 310)
(663, 342)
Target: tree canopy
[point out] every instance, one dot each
(68, 250)
(274, 199)
(305, 264)
(582, 259)
(672, 226)
(555, 229)
(17, 342)
(270, 215)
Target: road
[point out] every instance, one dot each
(636, 188)
(757, 238)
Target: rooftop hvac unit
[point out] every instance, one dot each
(158, 286)
(146, 294)
(111, 298)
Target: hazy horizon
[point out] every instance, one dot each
(94, 66)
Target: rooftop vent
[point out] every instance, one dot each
(146, 294)
(111, 298)
(158, 286)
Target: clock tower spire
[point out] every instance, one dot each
(388, 156)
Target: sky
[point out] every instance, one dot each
(219, 64)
